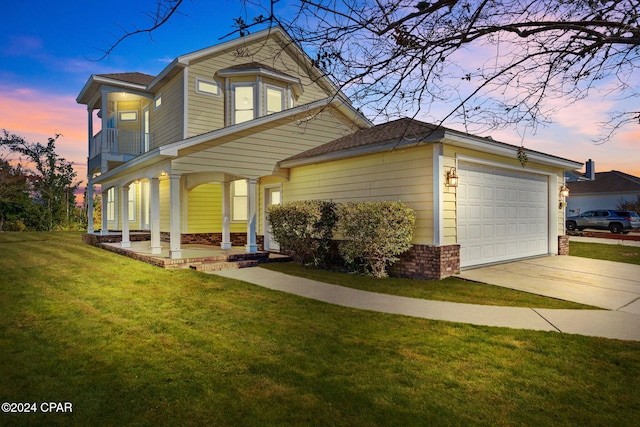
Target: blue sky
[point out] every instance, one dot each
(48, 50)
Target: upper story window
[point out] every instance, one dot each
(128, 116)
(207, 87)
(275, 99)
(243, 102)
(157, 102)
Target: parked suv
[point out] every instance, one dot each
(616, 221)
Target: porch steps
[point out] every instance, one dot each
(224, 265)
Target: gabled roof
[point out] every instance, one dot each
(410, 132)
(607, 182)
(395, 131)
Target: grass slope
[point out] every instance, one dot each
(131, 344)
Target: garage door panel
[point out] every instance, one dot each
(502, 214)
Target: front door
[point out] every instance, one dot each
(272, 196)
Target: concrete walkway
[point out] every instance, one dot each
(600, 323)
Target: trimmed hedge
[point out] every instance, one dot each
(304, 229)
(373, 233)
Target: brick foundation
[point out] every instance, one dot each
(213, 239)
(428, 262)
(563, 245)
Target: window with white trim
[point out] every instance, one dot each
(132, 202)
(207, 87)
(274, 99)
(128, 116)
(157, 102)
(243, 102)
(111, 204)
(239, 200)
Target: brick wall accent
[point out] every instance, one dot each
(237, 239)
(563, 245)
(428, 262)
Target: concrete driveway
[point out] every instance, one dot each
(605, 284)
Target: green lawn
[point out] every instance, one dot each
(131, 344)
(618, 253)
(450, 289)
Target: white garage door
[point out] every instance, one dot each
(502, 214)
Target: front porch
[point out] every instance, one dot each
(199, 257)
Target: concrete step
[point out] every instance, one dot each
(224, 265)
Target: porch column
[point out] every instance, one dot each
(124, 214)
(89, 201)
(104, 108)
(90, 127)
(174, 220)
(252, 215)
(154, 223)
(226, 216)
(105, 227)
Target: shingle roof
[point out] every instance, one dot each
(607, 182)
(254, 66)
(136, 78)
(397, 130)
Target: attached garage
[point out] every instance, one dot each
(503, 214)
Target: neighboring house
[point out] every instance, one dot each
(198, 152)
(600, 190)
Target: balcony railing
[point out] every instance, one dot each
(119, 141)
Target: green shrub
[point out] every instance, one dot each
(304, 229)
(374, 234)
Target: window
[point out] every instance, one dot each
(157, 102)
(243, 105)
(111, 204)
(132, 202)
(128, 116)
(275, 99)
(239, 200)
(207, 87)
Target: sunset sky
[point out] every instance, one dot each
(48, 50)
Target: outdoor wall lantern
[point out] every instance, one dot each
(564, 191)
(452, 178)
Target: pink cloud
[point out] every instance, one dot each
(37, 116)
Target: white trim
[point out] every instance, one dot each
(157, 98)
(254, 86)
(265, 205)
(438, 195)
(213, 83)
(185, 104)
(552, 196)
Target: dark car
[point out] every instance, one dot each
(616, 221)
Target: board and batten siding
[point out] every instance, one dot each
(255, 153)
(167, 121)
(400, 175)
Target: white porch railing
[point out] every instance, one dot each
(119, 141)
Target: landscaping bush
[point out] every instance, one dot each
(374, 234)
(304, 229)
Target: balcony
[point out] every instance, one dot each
(111, 147)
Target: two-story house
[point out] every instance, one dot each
(198, 152)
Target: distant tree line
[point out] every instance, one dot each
(36, 187)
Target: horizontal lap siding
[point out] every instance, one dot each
(205, 210)
(167, 121)
(255, 155)
(403, 175)
(207, 113)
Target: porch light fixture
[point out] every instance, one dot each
(564, 191)
(452, 178)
